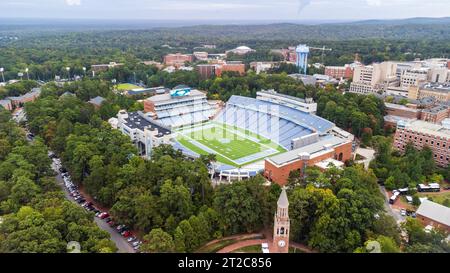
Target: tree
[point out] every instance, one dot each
(241, 206)
(158, 241)
(24, 190)
(175, 200)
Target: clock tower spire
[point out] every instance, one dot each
(281, 224)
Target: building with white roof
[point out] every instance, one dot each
(434, 214)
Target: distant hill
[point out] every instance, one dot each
(416, 20)
(402, 29)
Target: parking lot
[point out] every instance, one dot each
(121, 235)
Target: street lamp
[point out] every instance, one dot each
(84, 71)
(68, 73)
(1, 71)
(28, 75)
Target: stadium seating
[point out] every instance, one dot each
(276, 122)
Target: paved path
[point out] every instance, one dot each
(368, 154)
(266, 234)
(388, 208)
(241, 244)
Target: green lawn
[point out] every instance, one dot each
(213, 248)
(227, 142)
(127, 86)
(441, 198)
(249, 249)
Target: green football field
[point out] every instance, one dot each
(233, 146)
(127, 87)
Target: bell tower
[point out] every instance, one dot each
(281, 225)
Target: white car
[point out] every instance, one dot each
(265, 247)
(403, 212)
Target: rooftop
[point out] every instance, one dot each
(310, 150)
(435, 212)
(97, 100)
(138, 120)
(400, 107)
(426, 128)
(273, 92)
(168, 98)
(283, 199)
(438, 87)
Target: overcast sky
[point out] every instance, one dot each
(225, 9)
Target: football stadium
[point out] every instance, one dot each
(246, 135)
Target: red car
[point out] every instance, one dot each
(126, 233)
(103, 215)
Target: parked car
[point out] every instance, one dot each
(103, 215)
(403, 212)
(111, 223)
(137, 243)
(126, 233)
(119, 227)
(131, 239)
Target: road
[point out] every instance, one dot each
(389, 210)
(121, 244)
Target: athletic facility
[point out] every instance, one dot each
(231, 145)
(271, 134)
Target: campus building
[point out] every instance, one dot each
(241, 50)
(278, 168)
(439, 91)
(420, 134)
(9, 103)
(178, 59)
(434, 214)
(373, 78)
(181, 106)
(234, 66)
(207, 71)
(338, 72)
(104, 67)
(144, 132)
(305, 105)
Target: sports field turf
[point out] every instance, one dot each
(127, 86)
(232, 146)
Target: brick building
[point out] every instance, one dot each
(278, 168)
(206, 71)
(238, 67)
(178, 59)
(436, 215)
(421, 134)
(338, 72)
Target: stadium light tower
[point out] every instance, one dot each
(1, 71)
(84, 71)
(302, 58)
(28, 75)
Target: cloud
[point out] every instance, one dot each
(303, 4)
(73, 2)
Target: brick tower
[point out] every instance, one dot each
(281, 225)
